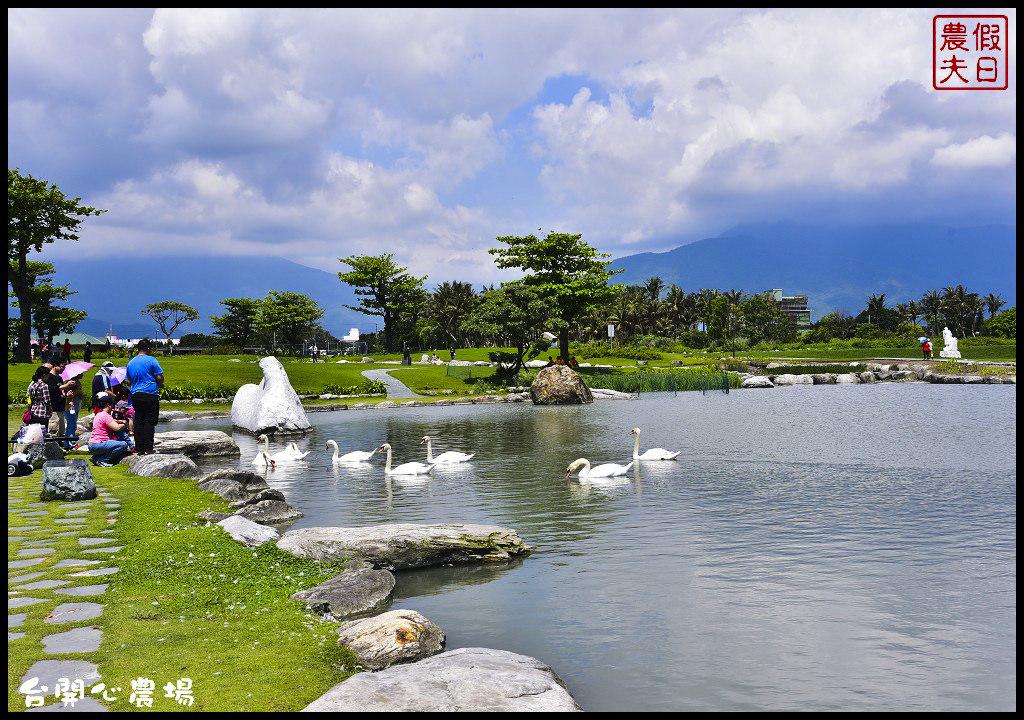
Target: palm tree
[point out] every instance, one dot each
(931, 308)
(994, 301)
(913, 311)
(876, 304)
(954, 308)
(974, 309)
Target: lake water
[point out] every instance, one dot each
(814, 548)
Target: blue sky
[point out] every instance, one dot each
(316, 134)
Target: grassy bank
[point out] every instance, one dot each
(189, 602)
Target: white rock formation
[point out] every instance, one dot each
(270, 407)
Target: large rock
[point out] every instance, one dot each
(195, 443)
(170, 466)
(399, 546)
(351, 593)
(39, 453)
(605, 394)
(559, 385)
(247, 532)
(270, 512)
(467, 679)
(757, 381)
(69, 479)
(233, 485)
(270, 407)
(392, 637)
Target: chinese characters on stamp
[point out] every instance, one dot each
(970, 52)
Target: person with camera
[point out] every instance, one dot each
(106, 449)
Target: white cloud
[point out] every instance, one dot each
(979, 152)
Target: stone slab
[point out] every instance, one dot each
(74, 612)
(78, 640)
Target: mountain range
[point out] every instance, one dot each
(836, 267)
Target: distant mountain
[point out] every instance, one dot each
(838, 267)
(115, 295)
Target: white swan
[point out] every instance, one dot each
(263, 457)
(354, 456)
(653, 453)
(445, 458)
(606, 470)
(409, 468)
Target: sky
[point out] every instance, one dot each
(316, 134)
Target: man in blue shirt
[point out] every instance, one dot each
(146, 378)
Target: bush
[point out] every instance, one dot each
(629, 352)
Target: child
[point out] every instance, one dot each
(124, 413)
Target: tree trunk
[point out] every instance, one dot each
(21, 288)
(563, 343)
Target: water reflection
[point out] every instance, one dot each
(842, 547)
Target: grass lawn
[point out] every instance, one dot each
(188, 602)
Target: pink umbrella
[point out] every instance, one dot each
(76, 368)
(117, 375)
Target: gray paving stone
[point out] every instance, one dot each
(76, 511)
(24, 578)
(36, 504)
(96, 572)
(94, 541)
(16, 538)
(75, 562)
(30, 552)
(22, 528)
(44, 585)
(40, 543)
(70, 521)
(46, 673)
(14, 636)
(17, 602)
(83, 590)
(112, 549)
(78, 640)
(66, 534)
(16, 619)
(35, 513)
(28, 562)
(74, 612)
(72, 504)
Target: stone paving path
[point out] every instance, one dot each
(396, 388)
(69, 599)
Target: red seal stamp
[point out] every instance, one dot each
(970, 52)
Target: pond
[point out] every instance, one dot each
(813, 548)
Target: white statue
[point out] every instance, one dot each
(949, 349)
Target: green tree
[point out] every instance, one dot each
(287, 318)
(569, 273)
(48, 317)
(239, 324)
(1004, 324)
(993, 301)
(931, 309)
(387, 291)
(37, 213)
(516, 315)
(445, 311)
(169, 316)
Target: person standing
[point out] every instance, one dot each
(73, 398)
(39, 396)
(67, 350)
(87, 357)
(146, 378)
(58, 403)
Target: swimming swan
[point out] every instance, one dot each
(606, 470)
(354, 456)
(409, 468)
(263, 457)
(445, 458)
(653, 453)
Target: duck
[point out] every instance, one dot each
(445, 458)
(605, 470)
(354, 456)
(653, 453)
(409, 468)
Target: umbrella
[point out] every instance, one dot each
(117, 375)
(922, 339)
(75, 368)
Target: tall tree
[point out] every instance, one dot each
(288, 318)
(37, 213)
(386, 290)
(169, 316)
(446, 309)
(238, 325)
(48, 317)
(516, 315)
(568, 272)
(931, 309)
